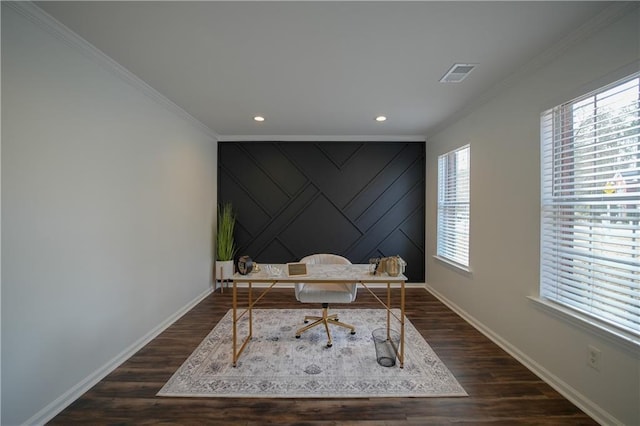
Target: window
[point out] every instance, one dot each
(590, 242)
(453, 206)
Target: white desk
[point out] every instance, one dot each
(358, 273)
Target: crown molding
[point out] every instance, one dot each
(606, 17)
(61, 32)
(320, 138)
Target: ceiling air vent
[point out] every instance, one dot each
(457, 73)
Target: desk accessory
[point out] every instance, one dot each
(296, 269)
(245, 265)
(393, 265)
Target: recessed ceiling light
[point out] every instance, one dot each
(381, 118)
(258, 118)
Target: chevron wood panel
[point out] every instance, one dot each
(356, 199)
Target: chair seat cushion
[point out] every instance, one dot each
(326, 293)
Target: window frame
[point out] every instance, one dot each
(559, 175)
(454, 248)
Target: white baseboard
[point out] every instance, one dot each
(64, 400)
(585, 404)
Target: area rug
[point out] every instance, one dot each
(277, 365)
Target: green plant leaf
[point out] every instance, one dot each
(225, 244)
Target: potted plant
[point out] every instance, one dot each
(225, 245)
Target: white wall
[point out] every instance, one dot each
(505, 215)
(108, 202)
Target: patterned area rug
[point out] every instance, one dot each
(277, 365)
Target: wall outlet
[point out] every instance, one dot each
(593, 357)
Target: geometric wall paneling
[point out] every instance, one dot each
(356, 199)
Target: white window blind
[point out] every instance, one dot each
(453, 206)
(590, 238)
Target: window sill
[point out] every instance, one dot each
(605, 331)
(454, 265)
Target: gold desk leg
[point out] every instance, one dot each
(250, 311)
(388, 311)
(235, 323)
(245, 341)
(401, 352)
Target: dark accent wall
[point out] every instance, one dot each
(356, 199)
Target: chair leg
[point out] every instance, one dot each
(325, 319)
(311, 318)
(341, 324)
(326, 327)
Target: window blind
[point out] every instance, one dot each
(590, 238)
(453, 206)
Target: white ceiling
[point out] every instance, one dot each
(322, 68)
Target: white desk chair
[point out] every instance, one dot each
(325, 293)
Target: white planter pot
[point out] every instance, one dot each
(224, 269)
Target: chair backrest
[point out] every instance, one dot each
(326, 259)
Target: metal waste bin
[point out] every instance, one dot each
(386, 346)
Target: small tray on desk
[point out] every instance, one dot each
(296, 269)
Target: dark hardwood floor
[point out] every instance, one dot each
(501, 390)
